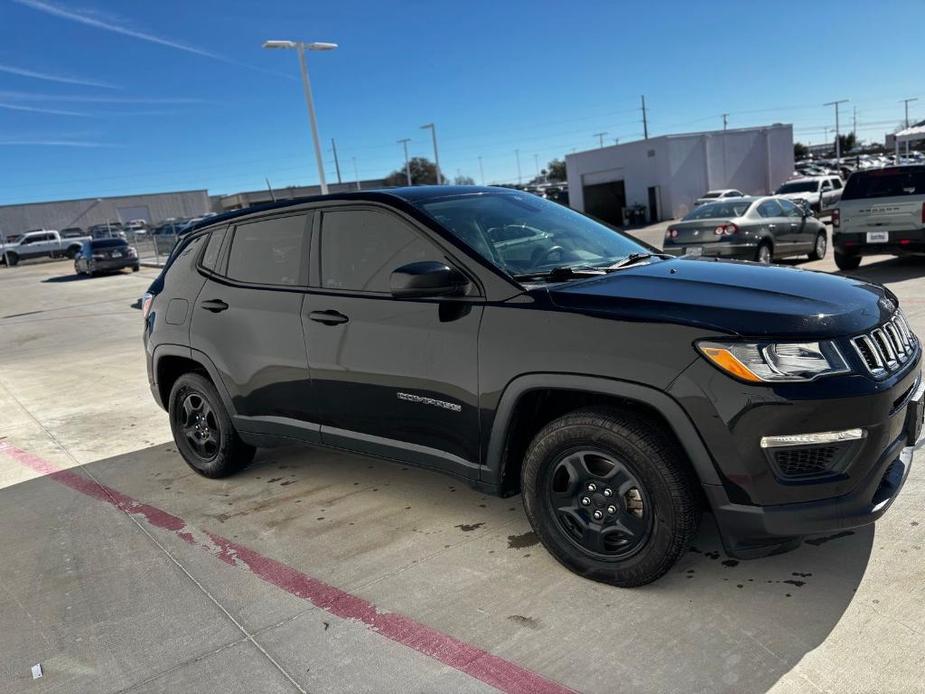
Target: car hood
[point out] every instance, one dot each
(733, 297)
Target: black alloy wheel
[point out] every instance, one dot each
(200, 426)
(600, 504)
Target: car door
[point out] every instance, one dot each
(777, 226)
(801, 234)
(392, 377)
(247, 322)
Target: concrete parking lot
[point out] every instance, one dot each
(320, 571)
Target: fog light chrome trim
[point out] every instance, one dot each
(812, 439)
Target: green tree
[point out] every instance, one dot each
(847, 142)
(556, 170)
(423, 171)
(800, 150)
(464, 181)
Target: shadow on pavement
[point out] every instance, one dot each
(73, 277)
(891, 270)
(414, 542)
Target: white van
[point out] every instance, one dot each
(881, 212)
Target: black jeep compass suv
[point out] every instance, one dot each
(523, 347)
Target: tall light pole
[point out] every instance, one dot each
(356, 174)
(519, 177)
(301, 47)
(837, 143)
(481, 171)
(404, 143)
(433, 134)
(906, 103)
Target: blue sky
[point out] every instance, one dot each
(99, 97)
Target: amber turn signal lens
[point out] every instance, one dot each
(727, 361)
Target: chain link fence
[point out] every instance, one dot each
(152, 248)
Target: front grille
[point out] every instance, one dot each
(887, 348)
(805, 462)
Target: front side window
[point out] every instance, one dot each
(361, 248)
(769, 208)
(524, 234)
(269, 251)
(790, 210)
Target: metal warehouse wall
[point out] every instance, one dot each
(15, 219)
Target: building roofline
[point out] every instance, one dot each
(105, 197)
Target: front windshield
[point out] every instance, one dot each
(523, 234)
(718, 210)
(798, 187)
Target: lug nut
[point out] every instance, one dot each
(592, 487)
(608, 492)
(598, 514)
(585, 501)
(611, 509)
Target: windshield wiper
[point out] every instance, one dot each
(558, 274)
(634, 258)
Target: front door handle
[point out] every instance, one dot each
(329, 317)
(772, 227)
(214, 305)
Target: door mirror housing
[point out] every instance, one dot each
(429, 278)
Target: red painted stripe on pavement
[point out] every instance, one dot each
(475, 662)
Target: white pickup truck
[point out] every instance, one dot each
(41, 243)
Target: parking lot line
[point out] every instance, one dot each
(475, 662)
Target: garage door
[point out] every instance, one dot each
(606, 201)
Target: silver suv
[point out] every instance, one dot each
(882, 212)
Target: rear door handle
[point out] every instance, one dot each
(329, 317)
(772, 227)
(214, 305)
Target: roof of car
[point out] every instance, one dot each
(410, 194)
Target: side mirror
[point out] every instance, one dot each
(428, 278)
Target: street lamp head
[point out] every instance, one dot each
(279, 44)
(426, 126)
(321, 46)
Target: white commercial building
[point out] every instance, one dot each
(665, 174)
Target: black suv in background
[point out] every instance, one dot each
(518, 345)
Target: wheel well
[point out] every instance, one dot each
(536, 408)
(170, 368)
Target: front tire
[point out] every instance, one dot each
(820, 247)
(610, 496)
(846, 261)
(202, 429)
(764, 253)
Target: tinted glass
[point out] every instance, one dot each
(885, 183)
(711, 195)
(210, 257)
(790, 210)
(523, 234)
(269, 251)
(769, 208)
(716, 210)
(799, 187)
(108, 243)
(361, 248)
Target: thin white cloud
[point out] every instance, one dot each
(39, 109)
(41, 142)
(112, 26)
(63, 79)
(85, 99)
(117, 26)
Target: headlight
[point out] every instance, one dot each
(775, 362)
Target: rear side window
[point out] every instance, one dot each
(269, 251)
(361, 248)
(210, 257)
(769, 208)
(886, 183)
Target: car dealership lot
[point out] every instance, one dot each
(125, 570)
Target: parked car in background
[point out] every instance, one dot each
(882, 212)
(137, 226)
(105, 255)
(39, 244)
(109, 230)
(714, 195)
(72, 233)
(821, 192)
(754, 228)
(170, 227)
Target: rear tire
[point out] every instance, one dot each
(644, 491)
(764, 254)
(847, 261)
(820, 247)
(202, 429)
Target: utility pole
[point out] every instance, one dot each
(519, 177)
(600, 139)
(854, 121)
(837, 143)
(356, 174)
(645, 120)
(725, 123)
(270, 188)
(481, 171)
(404, 143)
(433, 133)
(536, 161)
(336, 162)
